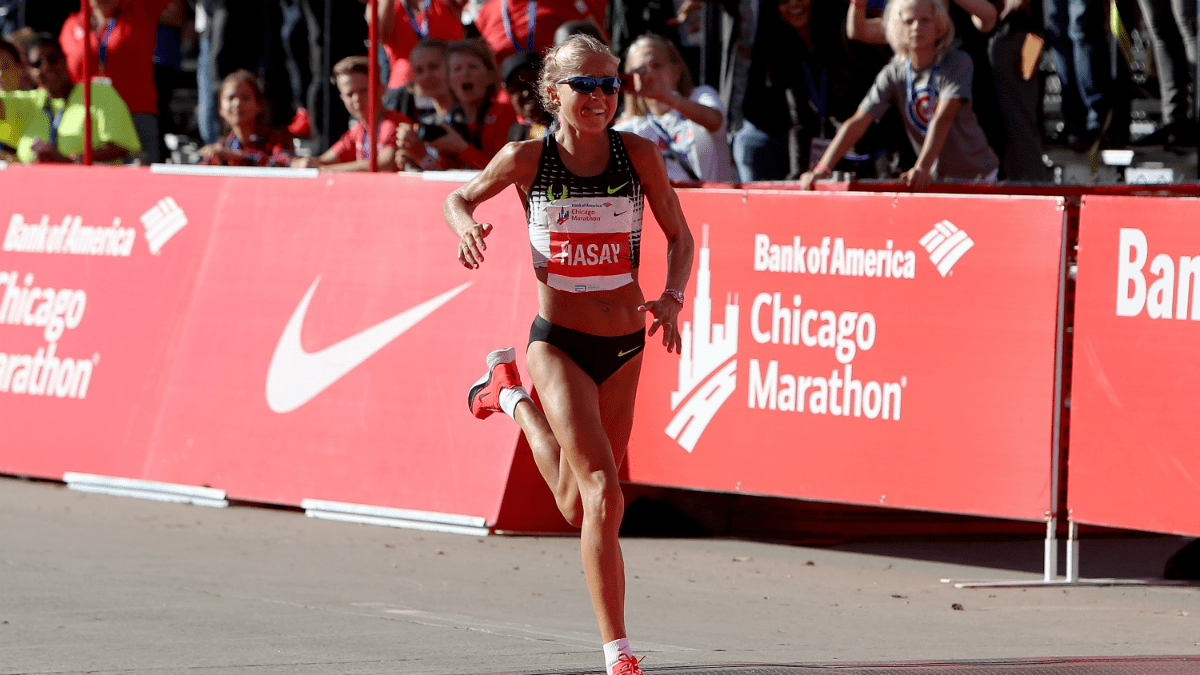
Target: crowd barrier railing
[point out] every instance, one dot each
(1134, 460)
(310, 341)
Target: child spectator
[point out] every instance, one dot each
(402, 24)
(930, 82)
(352, 152)
(973, 20)
(479, 125)
(46, 124)
(122, 35)
(520, 73)
(506, 24)
(249, 142)
(684, 120)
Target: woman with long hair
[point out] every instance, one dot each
(684, 120)
(584, 187)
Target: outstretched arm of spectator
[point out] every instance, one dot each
(983, 13)
(385, 17)
(850, 132)
(862, 29)
(1011, 6)
(649, 86)
(921, 175)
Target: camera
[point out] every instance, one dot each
(427, 132)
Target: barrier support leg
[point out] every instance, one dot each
(1050, 558)
(1050, 573)
(1072, 552)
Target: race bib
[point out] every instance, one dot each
(589, 243)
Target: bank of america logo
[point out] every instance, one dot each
(707, 369)
(163, 221)
(946, 244)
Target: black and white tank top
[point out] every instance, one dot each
(586, 232)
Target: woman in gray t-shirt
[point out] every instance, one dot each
(929, 81)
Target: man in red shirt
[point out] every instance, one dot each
(401, 24)
(352, 152)
(505, 24)
(122, 35)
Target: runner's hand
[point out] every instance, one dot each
(666, 315)
(471, 245)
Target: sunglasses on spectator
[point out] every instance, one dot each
(50, 59)
(586, 85)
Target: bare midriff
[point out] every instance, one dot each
(604, 313)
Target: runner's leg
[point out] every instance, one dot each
(550, 460)
(572, 403)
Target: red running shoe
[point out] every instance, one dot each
(626, 665)
(484, 397)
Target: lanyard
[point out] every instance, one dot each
(366, 137)
(103, 50)
(821, 97)
(530, 23)
(55, 120)
(671, 151)
(422, 29)
(920, 115)
(366, 142)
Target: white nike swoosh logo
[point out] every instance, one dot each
(295, 376)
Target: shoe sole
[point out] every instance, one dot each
(493, 359)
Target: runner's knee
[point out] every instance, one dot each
(602, 497)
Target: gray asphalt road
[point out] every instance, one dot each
(105, 584)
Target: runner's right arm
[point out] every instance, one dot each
(515, 164)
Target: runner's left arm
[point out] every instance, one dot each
(664, 203)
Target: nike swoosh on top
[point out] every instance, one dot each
(612, 190)
(625, 353)
(295, 376)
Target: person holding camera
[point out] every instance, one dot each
(427, 99)
(352, 152)
(479, 124)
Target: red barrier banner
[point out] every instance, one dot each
(1133, 458)
(279, 339)
(95, 285)
(871, 349)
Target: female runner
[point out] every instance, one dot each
(583, 189)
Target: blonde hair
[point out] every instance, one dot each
(635, 105)
(565, 58)
(893, 27)
(349, 66)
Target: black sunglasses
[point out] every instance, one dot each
(585, 84)
(50, 59)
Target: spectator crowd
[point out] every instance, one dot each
(914, 90)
